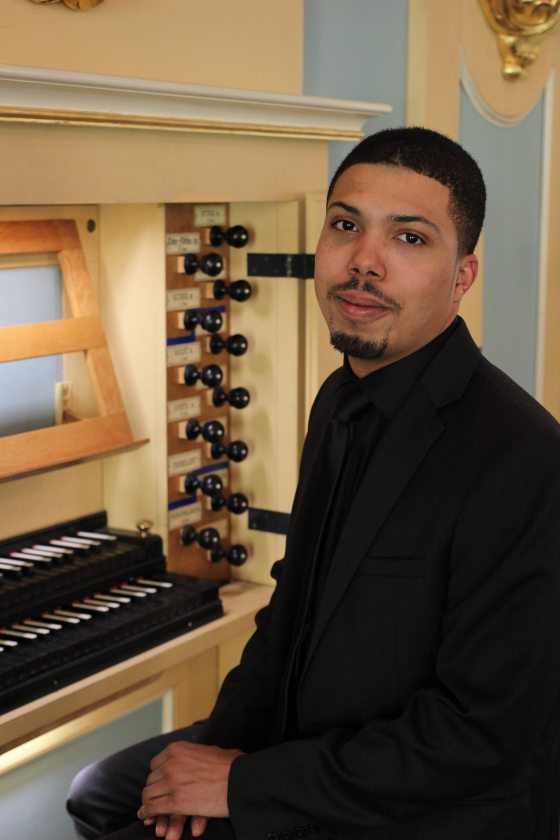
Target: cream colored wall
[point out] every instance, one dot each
(253, 44)
(442, 36)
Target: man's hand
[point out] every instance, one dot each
(187, 779)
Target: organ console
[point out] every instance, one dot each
(79, 596)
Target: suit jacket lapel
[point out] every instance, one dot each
(408, 439)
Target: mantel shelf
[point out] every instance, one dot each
(30, 94)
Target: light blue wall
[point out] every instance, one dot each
(510, 159)
(29, 295)
(357, 49)
(33, 797)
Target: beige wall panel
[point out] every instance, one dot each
(510, 99)
(433, 65)
(61, 165)
(31, 503)
(253, 44)
(272, 321)
(133, 309)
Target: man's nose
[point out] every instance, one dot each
(367, 259)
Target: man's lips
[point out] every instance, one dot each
(357, 305)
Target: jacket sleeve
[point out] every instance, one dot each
(472, 732)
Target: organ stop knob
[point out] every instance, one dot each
(211, 264)
(210, 375)
(235, 345)
(211, 320)
(236, 236)
(237, 397)
(239, 290)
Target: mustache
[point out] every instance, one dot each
(355, 284)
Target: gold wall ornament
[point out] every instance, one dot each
(77, 5)
(520, 26)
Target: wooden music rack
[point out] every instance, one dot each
(82, 439)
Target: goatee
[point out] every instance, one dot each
(358, 347)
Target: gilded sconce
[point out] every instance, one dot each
(520, 26)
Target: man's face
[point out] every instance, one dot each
(387, 274)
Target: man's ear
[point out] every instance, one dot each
(467, 269)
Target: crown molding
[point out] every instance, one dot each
(29, 94)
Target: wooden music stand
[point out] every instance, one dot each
(72, 442)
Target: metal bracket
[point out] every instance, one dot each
(301, 266)
(268, 520)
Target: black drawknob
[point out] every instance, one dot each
(239, 290)
(236, 344)
(191, 484)
(210, 375)
(211, 320)
(191, 319)
(208, 538)
(211, 264)
(212, 431)
(237, 555)
(211, 485)
(236, 236)
(237, 503)
(218, 553)
(237, 397)
(236, 450)
(188, 535)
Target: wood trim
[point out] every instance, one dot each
(50, 338)
(69, 443)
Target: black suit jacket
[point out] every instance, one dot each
(429, 702)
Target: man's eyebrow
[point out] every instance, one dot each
(408, 219)
(349, 208)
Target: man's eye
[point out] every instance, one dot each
(411, 238)
(344, 224)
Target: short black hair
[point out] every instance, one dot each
(436, 156)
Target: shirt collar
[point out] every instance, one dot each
(387, 387)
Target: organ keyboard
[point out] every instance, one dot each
(80, 596)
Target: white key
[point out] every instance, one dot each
(161, 584)
(41, 631)
(106, 599)
(80, 541)
(89, 602)
(8, 643)
(50, 625)
(118, 591)
(17, 564)
(18, 634)
(48, 550)
(133, 588)
(97, 536)
(35, 558)
(121, 599)
(63, 618)
(70, 614)
(83, 605)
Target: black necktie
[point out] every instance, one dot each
(322, 514)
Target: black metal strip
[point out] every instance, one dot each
(268, 520)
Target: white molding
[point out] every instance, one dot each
(40, 95)
(481, 105)
(544, 225)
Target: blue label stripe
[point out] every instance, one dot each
(190, 335)
(223, 465)
(189, 500)
(183, 340)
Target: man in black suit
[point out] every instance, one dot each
(403, 683)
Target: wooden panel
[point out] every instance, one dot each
(50, 338)
(60, 446)
(38, 237)
(69, 443)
